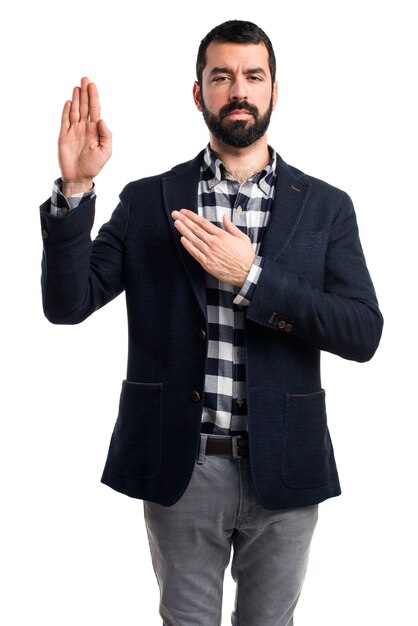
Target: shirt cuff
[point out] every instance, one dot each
(60, 205)
(243, 298)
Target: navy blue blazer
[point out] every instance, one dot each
(314, 294)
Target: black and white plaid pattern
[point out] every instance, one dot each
(60, 205)
(249, 205)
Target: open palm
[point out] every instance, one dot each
(85, 142)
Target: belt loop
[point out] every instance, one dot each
(235, 447)
(201, 457)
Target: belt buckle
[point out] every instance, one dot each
(235, 447)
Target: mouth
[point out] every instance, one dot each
(239, 114)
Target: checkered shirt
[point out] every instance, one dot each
(249, 206)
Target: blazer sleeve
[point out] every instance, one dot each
(80, 275)
(342, 316)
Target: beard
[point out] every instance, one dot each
(237, 133)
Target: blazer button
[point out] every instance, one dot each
(288, 328)
(44, 234)
(202, 334)
(195, 396)
(281, 324)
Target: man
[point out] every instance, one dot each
(238, 270)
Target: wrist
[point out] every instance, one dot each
(71, 188)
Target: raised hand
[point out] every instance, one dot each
(85, 142)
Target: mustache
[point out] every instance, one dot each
(237, 106)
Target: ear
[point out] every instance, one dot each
(275, 94)
(197, 95)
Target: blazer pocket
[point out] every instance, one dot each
(307, 444)
(135, 448)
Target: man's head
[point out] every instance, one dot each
(235, 31)
(235, 88)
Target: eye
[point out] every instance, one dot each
(220, 79)
(255, 78)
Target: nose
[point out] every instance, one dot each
(238, 89)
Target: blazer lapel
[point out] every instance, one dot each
(180, 188)
(290, 197)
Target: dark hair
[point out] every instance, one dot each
(235, 31)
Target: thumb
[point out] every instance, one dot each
(104, 133)
(231, 228)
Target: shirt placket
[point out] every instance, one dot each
(238, 353)
(242, 201)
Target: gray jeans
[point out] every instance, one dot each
(191, 543)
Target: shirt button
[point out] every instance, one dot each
(195, 395)
(202, 334)
(239, 209)
(64, 210)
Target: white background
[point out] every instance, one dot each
(74, 551)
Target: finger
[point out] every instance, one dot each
(94, 103)
(75, 106)
(65, 118)
(190, 216)
(194, 252)
(196, 231)
(84, 99)
(193, 234)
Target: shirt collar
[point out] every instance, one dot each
(214, 171)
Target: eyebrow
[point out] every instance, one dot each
(228, 70)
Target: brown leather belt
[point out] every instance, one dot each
(234, 447)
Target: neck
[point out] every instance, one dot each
(242, 162)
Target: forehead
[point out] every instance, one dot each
(236, 56)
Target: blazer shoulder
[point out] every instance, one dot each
(318, 186)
